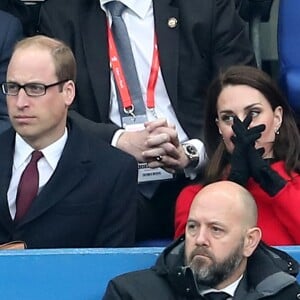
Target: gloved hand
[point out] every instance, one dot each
(269, 180)
(244, 139)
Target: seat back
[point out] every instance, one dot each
(73, 274)
(255, 12)
(289, 51)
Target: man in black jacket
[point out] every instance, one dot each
(221, 253)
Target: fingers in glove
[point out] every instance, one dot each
(247, 121)
(257, 129)
(248, 139)
(238, 127)
(242, 126)
(247, 136)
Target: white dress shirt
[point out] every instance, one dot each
(46, 165)
(230, 289)
(139, 20)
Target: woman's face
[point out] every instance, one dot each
(241, 100)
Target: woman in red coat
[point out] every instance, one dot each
(252, 139)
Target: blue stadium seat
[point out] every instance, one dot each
(74, 274)
(289, 51)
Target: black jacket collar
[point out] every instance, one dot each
(269, 270)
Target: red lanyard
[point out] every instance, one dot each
(120, 78)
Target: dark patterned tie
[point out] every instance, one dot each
(216, 296)
(122, 42)
(28, 186)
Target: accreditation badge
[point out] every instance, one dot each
(146, 174)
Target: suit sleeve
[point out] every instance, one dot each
(104, 131)
(183, 204)
(10, 32)
(231, 43)
(117, 228)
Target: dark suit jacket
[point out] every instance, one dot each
(90, 201)
(209, 35)
(10, 32)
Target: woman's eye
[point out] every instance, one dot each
(254, 113)
(227, 118)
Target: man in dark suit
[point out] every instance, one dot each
(10, 33)
(86, 188)
(195, 39)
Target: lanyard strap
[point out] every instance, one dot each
(121, 80)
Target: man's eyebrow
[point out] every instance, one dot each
(189, 221)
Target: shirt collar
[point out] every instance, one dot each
(139, 7)
(22, 151)
(230, 289)
(51, 153)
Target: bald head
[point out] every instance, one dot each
(221, 233)
(228, 199)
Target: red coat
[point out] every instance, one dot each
(278, 216)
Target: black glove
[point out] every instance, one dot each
(269, 180)
(244, 139)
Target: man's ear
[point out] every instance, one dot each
(69, 91)
(251, 241)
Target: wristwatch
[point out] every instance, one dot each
(192, 154)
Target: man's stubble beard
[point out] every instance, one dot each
(208, 272)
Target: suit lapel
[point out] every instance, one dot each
(6, 162)
(166, 36)
(72, 168)
(94, 39)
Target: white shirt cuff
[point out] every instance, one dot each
(116, 137)
(192, 172)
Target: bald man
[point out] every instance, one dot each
(220, 256)
(221, 234)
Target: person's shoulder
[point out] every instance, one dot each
(143, 284)
(6, 18)
(132, 279)
(190, 191)
(135, 276)
(11, 29)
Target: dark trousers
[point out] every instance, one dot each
(155, 219)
